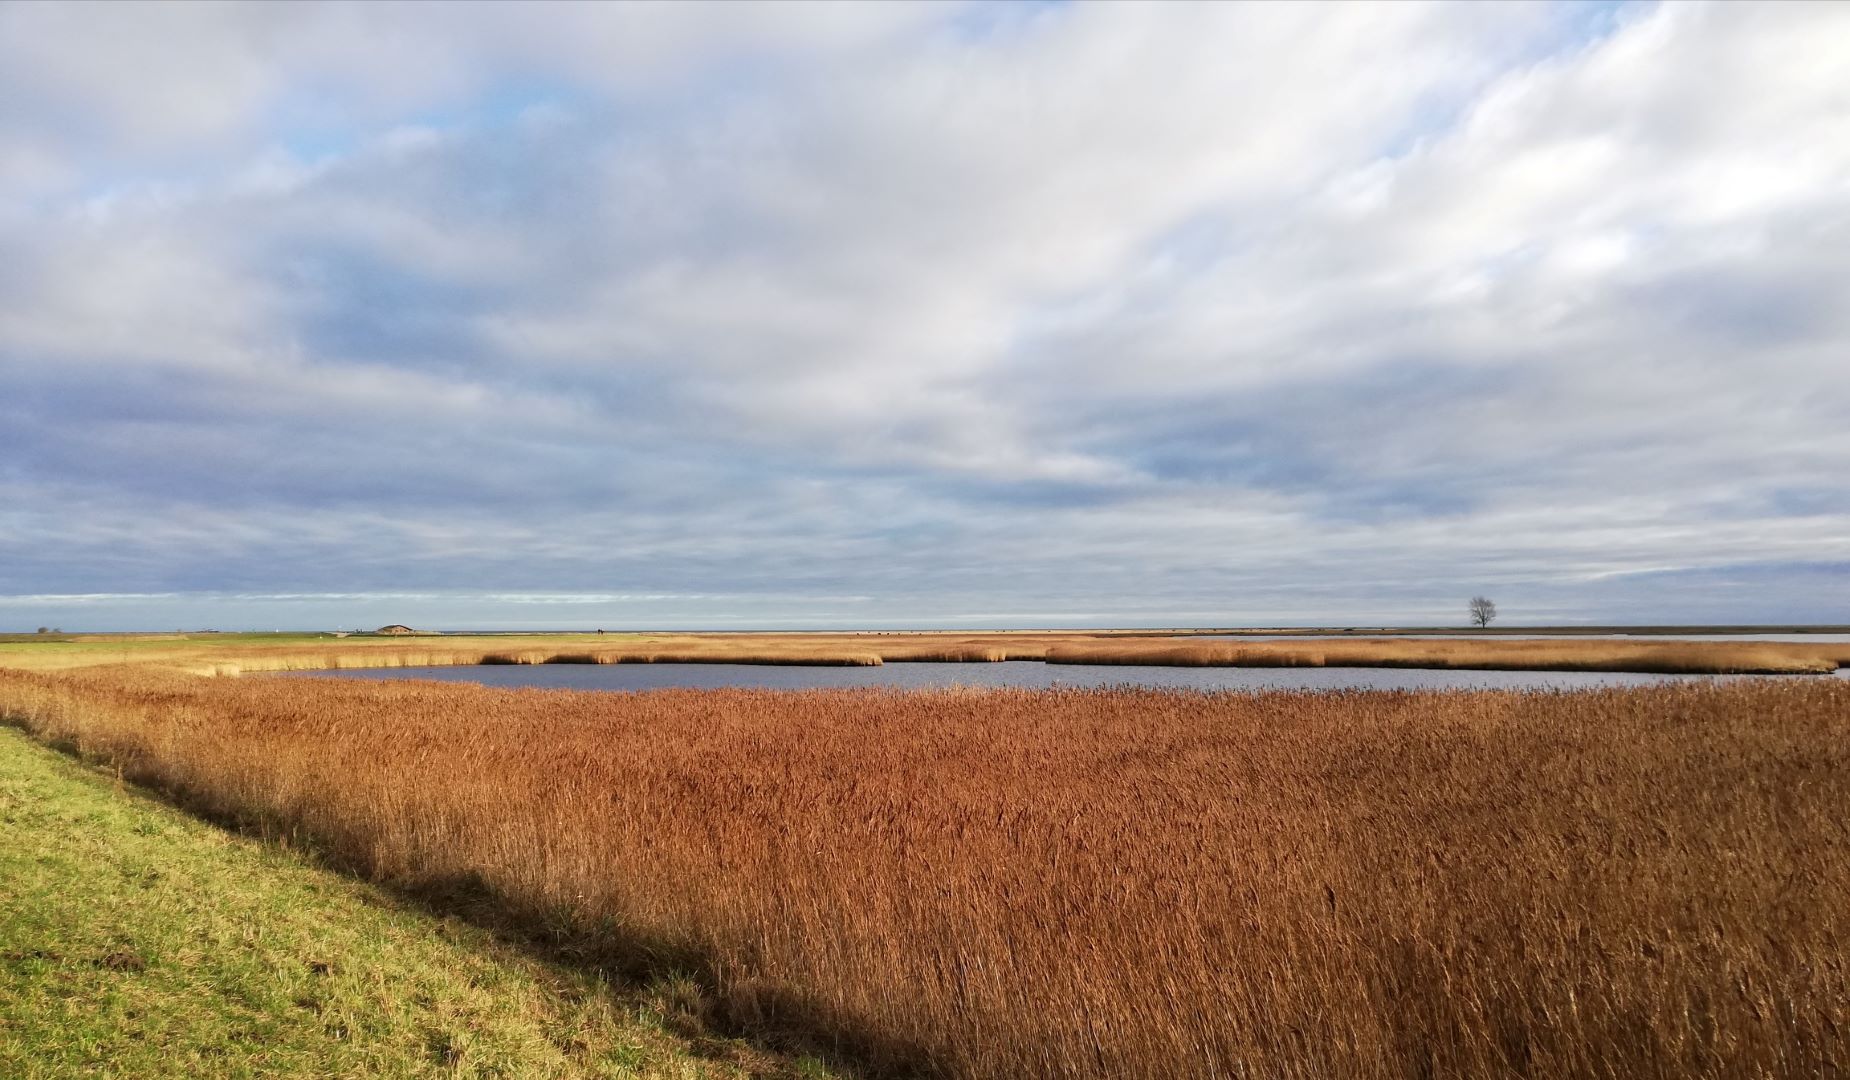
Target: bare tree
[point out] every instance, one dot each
(1482, 610)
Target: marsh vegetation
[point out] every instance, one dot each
(1105, 883)
(230, 654)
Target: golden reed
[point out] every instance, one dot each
(1114, 883)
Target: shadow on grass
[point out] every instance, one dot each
(678, 983)
(681, 981)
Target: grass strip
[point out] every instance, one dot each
(138, 941)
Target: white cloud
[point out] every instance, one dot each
(1152, 298)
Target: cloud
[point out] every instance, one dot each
(1123, 311)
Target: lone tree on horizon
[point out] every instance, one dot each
(1482, 610)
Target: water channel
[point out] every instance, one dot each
(1014, 673)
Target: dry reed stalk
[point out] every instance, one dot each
(966, 654)
(1675, 657)
(1628, 883)
(1072, 648)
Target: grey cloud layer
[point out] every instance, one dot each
(1156, 313)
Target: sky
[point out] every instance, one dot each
(833, 315)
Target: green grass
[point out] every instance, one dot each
(128, 647)
(135, 642)
(138, 941)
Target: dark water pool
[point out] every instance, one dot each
(1010, 673)
(1811, 639)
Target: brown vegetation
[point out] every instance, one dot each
(234, 656)
(1628, 883)
(1523, 654)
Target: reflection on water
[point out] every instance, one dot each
(1020, 673)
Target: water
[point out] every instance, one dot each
(1015, 673)
(1515, 635)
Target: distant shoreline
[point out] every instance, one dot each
(1620, 629)
(1516, 648)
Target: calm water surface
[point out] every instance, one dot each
(1009, 673)
(1816, 638)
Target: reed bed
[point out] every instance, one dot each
(1522, 654)
(231, 657)
(1085, 884)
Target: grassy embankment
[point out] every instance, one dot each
(138, 941)
(1639, 883)
(234, 654)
